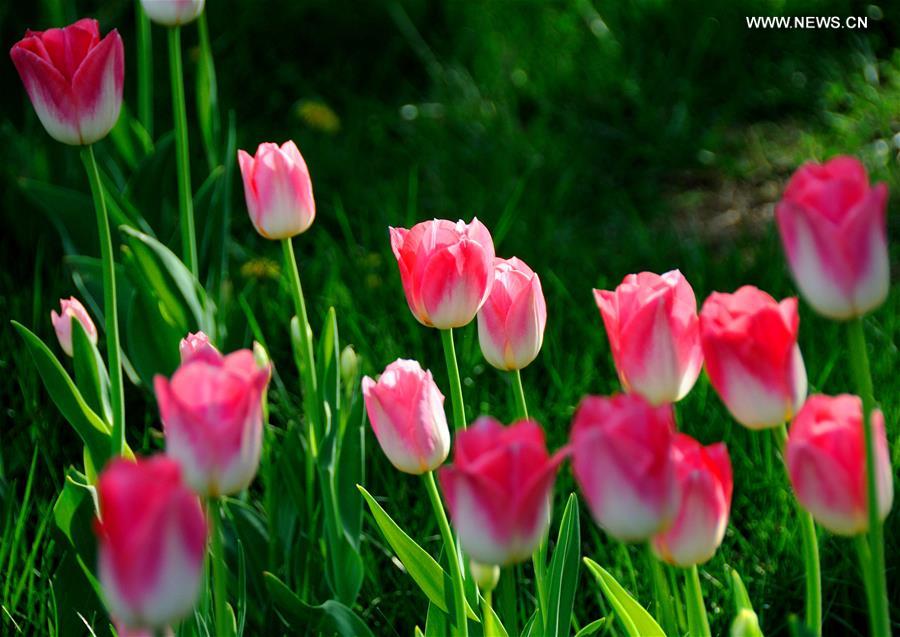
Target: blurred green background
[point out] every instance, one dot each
(593, 137)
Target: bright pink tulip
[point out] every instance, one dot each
(704, 474)
(173, 13)
(447, 270)
(278, 190)
(213, 420)
(74, 79)
(406, 410)
(152, 536)
(622, 459)
(826, 459)
(833, 228)
(499, 489)
(70, 309)
(651, 321)
(511, 322)
(750, 345)
(194, 344)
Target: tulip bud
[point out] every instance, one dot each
(623, 461)
(486, 576)
(833, 228)
(499, 489)
(152, 536)
(212, 416)
(74, 79)
(194, 344)
(746, 624)
(653, 330)
(750, 345)
(705, 479)
(173, 13)
(511, 322)
(406, 410)
(71, 308)
(349, 365)
(260, 355)
(826, 460)
(446, 269)
(278, 190)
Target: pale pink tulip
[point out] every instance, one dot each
(172, 13)
(196, 343)
(71, 309)
(406, 410)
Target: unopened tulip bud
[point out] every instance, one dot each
(486, 576)
(194, 344)
(349, 365)
(173, 13)
(746, 624)
(71, 309)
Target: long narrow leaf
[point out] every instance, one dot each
(564, 567)
(635, 619)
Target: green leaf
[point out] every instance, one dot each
(424, 569)
(74, 512)
(67, 210)
(635, 619)
(591, 628)
(91, 376)
(331, 616)
(564, 567)
(741, 598)
(329, 358)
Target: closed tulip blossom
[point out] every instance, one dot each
(447, 270)
(826, 460)
(499, 489)
(152, 542)
(511, 322)
(196, 343)
(406, 410)
(71, 309)
(74, 79)
(212, 415)
(754, 363)
(653, 330)
(278, 190)
(173, 13)
(833, 228)
(623, 462)
(704, 474)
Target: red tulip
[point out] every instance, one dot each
(623, 461)
(499, 489)
(833, 228)
(446, 269)
(826, 460)
(752, 358)
(511, 322)
(212, 415)
(704, 474)
(194, 344)
(70, 309)
(74, 79)
(651, 321)
(152, 536)
(406, 410)
(173, 13)
(278, 190)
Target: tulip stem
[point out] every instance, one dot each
(217, 555)
(664, 603)
(459, 599)
(110, 309)
(459, 410)
(487, 615)
(519, 391)
(698, 623)
(859, 362)
(182, 154)
(144, 68)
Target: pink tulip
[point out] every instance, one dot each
(74, 79)
(278, 190)
(750, 345)
(406, 410)
(213, 420)
(152, 536)
(623, 461)
(499, 489)
(71, 308)
(826, 460)
(651, 321)
(447, 270)
(511, 322)
(172, 13)
(704, 474)
(195, 344)
(833, 228)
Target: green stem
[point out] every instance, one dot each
(456, 578)
(144, 68)
(664, 605)
(859, 362)
(865, 566)
(698, 624)
(459, 410)
(182, 154)
(519, 391)
(110, 309)
(487, 617)
(220, 602)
